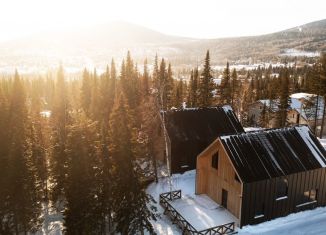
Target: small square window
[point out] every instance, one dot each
(308, 196)
(215, 160)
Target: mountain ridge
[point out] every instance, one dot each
(104, 41)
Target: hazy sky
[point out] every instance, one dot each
(192, 18)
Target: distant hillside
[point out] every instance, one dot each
(306, 38)
(95, 46)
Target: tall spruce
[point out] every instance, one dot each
(23, 211)
(81, 212)
(60, 119)
(226, 86)
(130, 199)
(86, 92)
(206, 85)
(284, 99)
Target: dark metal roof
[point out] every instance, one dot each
(201, 123)
(192, 130)
(273, 153)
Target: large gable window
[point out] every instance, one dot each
(215, 160)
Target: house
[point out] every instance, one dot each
(300, 112)
(189, 131)
(262, 175)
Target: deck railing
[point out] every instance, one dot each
(184, 225)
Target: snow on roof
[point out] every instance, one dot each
(217, 81)
(272, 153)
(248, 129)
(302, 95)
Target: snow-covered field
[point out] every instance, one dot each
(302, 223)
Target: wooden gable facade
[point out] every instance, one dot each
(217, 178)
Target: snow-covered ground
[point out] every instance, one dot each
(301, 223)
(185, 182)
(202, 212)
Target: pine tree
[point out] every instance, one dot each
(179, 93)
(263, 120)
(104, 99)
(23, 212)
(145, 81)
(156, 73)
(323, 90)
(38, 146)
(226, 86)
(81, 213)
(105, 184)
(284, 100)
(112, 86)
(86, 92)
(193, 88)
(60, 119)
(4, 148)
(234, 89)
(206, 85)
(168, 88)
(95, 108)
(130, 200)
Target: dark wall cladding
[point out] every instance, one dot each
(263, 194)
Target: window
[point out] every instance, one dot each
(308, 197)
(259, 210)
(282, 189)
(215, 160)
(313, 195)
(236, 177)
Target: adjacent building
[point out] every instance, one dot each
(189, 131)
(302, 110)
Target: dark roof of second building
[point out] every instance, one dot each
(201, 123)
(273, 153)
